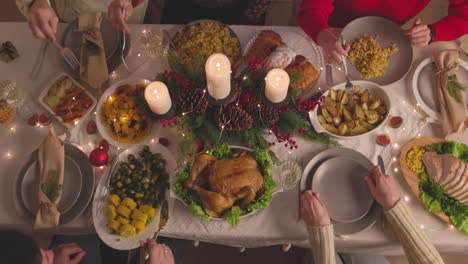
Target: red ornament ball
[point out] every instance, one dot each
(98, 157)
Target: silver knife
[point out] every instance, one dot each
(381, 164)
(163, 218)
(39, 60)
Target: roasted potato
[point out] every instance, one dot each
(345, 116)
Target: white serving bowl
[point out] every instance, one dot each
(103, 130)
(374, 89)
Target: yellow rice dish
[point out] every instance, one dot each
(206, 38)
(369, 57)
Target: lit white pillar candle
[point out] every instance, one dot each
(276, 85)
(218, 76)
(158, 98)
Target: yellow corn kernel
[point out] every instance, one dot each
(113, 225)
(124, 211)
(139, 225)
(114, 199)
(139, 215)
(148, 209)
(127, 230)
(123, 220)
(129, 202)
(110, 211)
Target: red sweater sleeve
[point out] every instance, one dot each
(455, 24)
(313, 16)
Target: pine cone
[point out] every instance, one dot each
(266, 113)
(191, 101)
(233, 118)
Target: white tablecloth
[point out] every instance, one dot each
(277, 224)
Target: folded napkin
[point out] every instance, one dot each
(93, 65)
(452, 112)
(51, 162)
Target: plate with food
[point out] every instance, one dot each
(67, 100)
(77, 189)
(119, 118)
(205, 37)
(343, 117)
(128, 199)
(308, 179)
(111, 36)
(380, 52)
(291, 51)
(425, 88)
(226, 182)
(436, 172)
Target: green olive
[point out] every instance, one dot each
(145, 180)
(146, 186)
(128, 180)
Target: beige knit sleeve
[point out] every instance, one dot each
(322, 244)
(23, 6)
(418, 248)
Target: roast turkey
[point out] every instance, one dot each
(450, 172)
(220, 183)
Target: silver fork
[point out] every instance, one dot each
(123, 45)
(349, 86)
(68, 55)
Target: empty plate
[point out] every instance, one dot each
(424, 86)
(388, 33)
(340, 182)
(341, 228)
(71, 186)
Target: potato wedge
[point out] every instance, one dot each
(339, 95)
(330, 128)
(358, 113)
(357, 88)
(337, 120)
(347, 114)
(342, 129)
(366, 125)
(351, 124)
(357, 130)
(327, 115)
(321, 119)
(365, 96)
(375, 104)
(364, 107)
(332, 95)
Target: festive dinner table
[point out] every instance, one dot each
(278, 224)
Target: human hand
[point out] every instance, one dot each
(158, 253)
(115, 13)
(42, 20)
(419, 34)
(69, 253)
(382, 188)
(313, 212)
(332, 48)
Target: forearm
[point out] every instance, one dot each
(455, 24)
(322, 244)
(418, 248)
(23, 5)
(313, 16)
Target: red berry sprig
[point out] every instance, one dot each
(179, 79)
(280, 138)
(255, 64)
(168, 122)
(308, 105)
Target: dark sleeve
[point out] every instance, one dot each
(256, 9)
(455, 24)
(313, 16)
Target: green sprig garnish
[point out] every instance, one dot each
(51, 189)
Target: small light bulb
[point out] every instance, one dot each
(396, 169)
(76, 122)
(394, 159)
(152, 141)
(422, 226)
(139, 54)
(407, 198)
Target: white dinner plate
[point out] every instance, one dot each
(424, 86)
(70, 191)
(340, 183)
(103, 130)
(341, 228)
(102, 192)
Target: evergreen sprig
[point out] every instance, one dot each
(51, 189)
(455, 88)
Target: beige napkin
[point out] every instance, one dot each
(93, 68)
(453, 114)
(51, 161)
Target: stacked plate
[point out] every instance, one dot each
(113, 44)
(78, 186)
(337, 174)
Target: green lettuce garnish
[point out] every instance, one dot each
(232, 216)
(432, 194)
